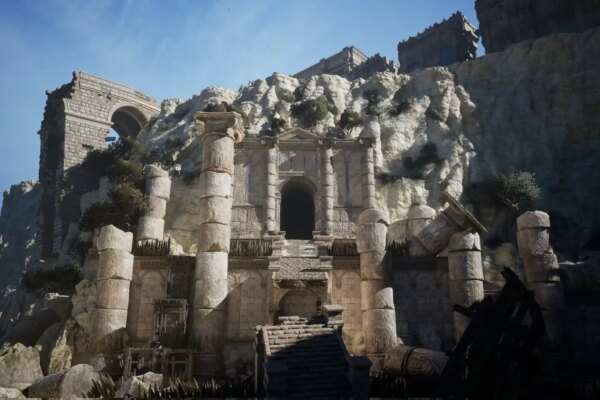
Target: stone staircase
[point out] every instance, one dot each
(305, 360)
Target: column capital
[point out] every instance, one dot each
(219, 123)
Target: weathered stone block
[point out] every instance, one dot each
(157, 207)
(214, 237)
(466, 293)
(213, 263)
(418, 218)
(154, 171)
(112, 237)
(218, 154)
(19, 366)
(210, 292)
(464, 240)
(533, 241)
(159, 187)
(541, 267)
(215, 209)
(150, 228)
(107, 321)
(112, 294)
(533, 219)
(465, 265)
(115, 264)
(376, 294)
(215, 184)
(379, 330)
(73, 383)
(373, 265)
(370, 237)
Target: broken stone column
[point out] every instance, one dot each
(419, 216)
(466, 275)
(219, 132)
(372, 129)
(115, 269)
(73, 383)
(434, 238)
(272, 178)
(368, 179)
(377, 296)
(158, 189)
(541, 271)
(327, 198)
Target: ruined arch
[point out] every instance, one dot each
(298, 208)
(127, 120)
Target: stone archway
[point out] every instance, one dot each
(298, 209)
(299, 302)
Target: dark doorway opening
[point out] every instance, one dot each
(297, 209)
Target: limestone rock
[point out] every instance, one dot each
(11, 393)
(137, 386)
(55, 355)
(19, 366)
(73, 383)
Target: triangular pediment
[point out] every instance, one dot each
(298, 134)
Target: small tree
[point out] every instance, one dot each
(310, 112)
(372, 102)
(516, 188)
(349, 120)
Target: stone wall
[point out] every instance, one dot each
(77, 118)
(506, 22)
(422, 300)
(452, 40)
(350, 63)
(345, 290)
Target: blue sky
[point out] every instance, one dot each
(175, 48)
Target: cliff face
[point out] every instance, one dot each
(533, 107)
(18, 232)
(538, 109)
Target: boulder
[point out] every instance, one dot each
(19, 366)
(136, 386)
(11, 393)
(73, 383)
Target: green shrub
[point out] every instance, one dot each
(61, 280)
(298, 92)
(277, 126)
(400, 107)
(123, 171)
(336, 133)
(125, 207)
(434, 114)
(224, 107)
(387, 177)
(310, 112)
(285, 95)
(373, 100)
(517, 188)
(512, 190)
(349, 120)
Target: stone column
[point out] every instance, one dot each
(372, 130)
(466, 275)
(541, 271)
(272, 179)
(219, 132)
(368, 179)
(419, 216)
(115, 269)
(327, 197)
(158, 190)
(377, 297)
(434, 238)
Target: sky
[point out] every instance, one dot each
(175, 48)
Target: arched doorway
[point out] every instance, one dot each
(299, 302)
(127, 121)
(298, 209)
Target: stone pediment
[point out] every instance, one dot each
(298, 134)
